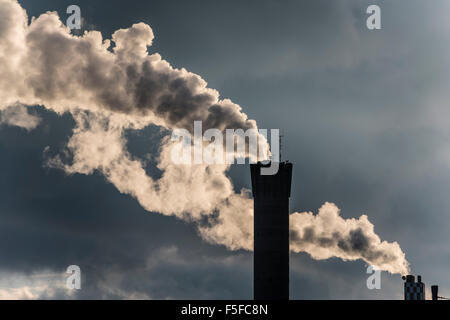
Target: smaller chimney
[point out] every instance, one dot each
(434, 292)
(414, 290)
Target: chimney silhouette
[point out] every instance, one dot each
(271, 232)
(434, 292)
(414, 290)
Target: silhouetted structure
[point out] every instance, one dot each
(271, 232)
(434, 292)
(414, 290)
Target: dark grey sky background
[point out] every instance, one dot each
(365, 116)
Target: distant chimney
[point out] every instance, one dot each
(414, 290)
(434, 292)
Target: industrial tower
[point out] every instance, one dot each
(271, 232)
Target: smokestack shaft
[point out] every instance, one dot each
(271, 231)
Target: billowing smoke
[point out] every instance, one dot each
(112, 86)
(18, 115)
(327, 235)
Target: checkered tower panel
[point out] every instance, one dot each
(414, 291)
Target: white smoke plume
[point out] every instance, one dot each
(327, 235)
(109, 86)
(18, 115)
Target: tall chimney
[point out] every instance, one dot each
(271, 232)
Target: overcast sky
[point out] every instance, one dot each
(365, 115)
